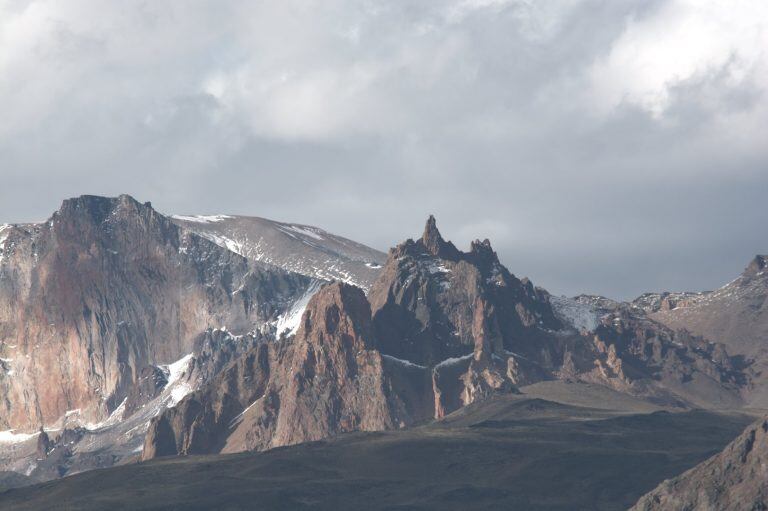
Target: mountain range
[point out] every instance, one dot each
(128, 335)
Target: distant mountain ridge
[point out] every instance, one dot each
(124, 332)
(298, 248)
(735, 314)
(444, 329)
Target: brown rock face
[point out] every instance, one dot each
(434, 244)
(202, 421)
(636, 355)
(441, 338)
(327, 380)
(464, 315)
(489, 368)
(105, 288)
(334, 351)
(734, 480)
(448, 329)
(481, 331)
(425, 299)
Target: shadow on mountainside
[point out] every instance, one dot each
(511, 452)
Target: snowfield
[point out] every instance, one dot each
(578, 316)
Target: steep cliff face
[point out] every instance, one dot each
(425, 299)
(326, 380)
(202, 421)
(734, 479)
(120, 438)
(105, 288)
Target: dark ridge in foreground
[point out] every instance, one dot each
(510, 452)
(735, 479)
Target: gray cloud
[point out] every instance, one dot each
(610, 147)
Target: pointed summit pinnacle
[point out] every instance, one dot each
(756, 265)
(434, 243)
(431, 237)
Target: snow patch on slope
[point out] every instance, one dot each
(4, 228)
(175, 372)
(289, 321)
(201, 219)
(453, 360)
(9, 437)
(406, 363)
(114, 418)
(434, 267)
(580, 316)
(304, 230)
(298, 248)
(239, 416)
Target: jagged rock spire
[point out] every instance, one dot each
(44, 444)
(431, 237)
(756, 265)
(434, 243)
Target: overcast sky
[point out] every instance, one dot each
(604, 146)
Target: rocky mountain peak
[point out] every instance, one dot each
(97, 208)
(338, 310)
(756, 265)
(110, 221)
(734, 314)
(434, 244)
(324, 381)
(106, 288)
(431, 233)
(480, 247)
(482, 254)
(424, 307)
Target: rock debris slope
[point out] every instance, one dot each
(302, 249)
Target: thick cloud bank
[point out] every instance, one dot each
(611, 147)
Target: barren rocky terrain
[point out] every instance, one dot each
(511, 452)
